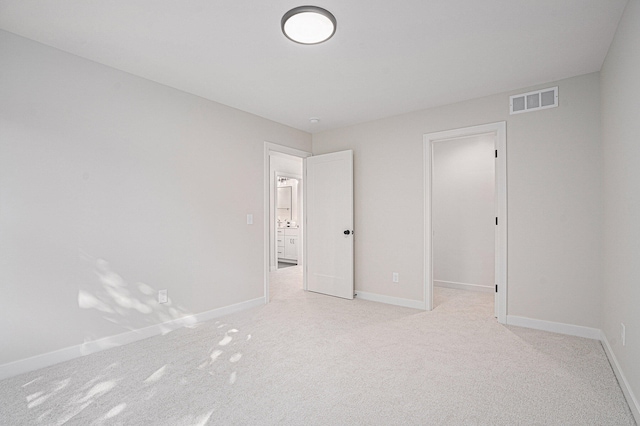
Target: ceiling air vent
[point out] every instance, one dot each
(533, 101)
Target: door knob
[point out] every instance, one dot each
(347, 232)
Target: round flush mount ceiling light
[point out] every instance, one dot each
(308, 25)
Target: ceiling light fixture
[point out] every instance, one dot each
(308, 25)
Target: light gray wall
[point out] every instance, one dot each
(463, 210)
(112, 187)
(554, 199)
(621, 147)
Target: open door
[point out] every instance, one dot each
(329, 224)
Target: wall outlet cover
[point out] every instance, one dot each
(163, 296)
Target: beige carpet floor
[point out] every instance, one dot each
(308, 359)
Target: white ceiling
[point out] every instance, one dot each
(386, 58)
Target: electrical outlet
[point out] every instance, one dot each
(623, 334)
(163, 296)
(396, 277)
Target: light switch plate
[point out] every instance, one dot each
(249, 219)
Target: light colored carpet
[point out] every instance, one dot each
(308, 359)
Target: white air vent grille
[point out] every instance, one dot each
(533, 101)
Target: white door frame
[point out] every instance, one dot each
(268, 149)
(500, 130)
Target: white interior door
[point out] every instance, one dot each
(329, 226)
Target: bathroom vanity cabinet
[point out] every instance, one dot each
(288, 245)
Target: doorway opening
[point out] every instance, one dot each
(288, 213)
(284, 215)
(465, 212)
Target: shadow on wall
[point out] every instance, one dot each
(130, 306)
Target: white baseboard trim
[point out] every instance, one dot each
(622, 380)
(50, 358)
(407, 303)
(589, 333)
(464, 286)
(555, 327)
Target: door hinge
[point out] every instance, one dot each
(496, 153)
(496, 220)
(496, 288)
